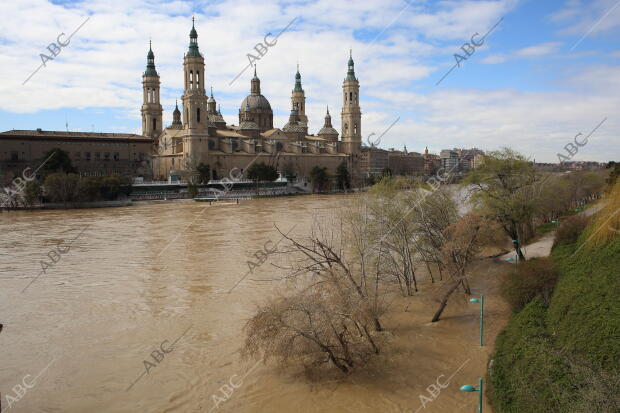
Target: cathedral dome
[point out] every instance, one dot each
(256, 102)
(328, 131)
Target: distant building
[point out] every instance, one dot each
(406, 163)
(373, 161)
(92, 154)
(460, 160)
(449, 160)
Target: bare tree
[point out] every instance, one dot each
(322, 256)
(321, 323)
(465, 239)
(435, 211)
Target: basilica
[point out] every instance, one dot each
(199, 134)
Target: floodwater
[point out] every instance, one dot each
(133, 313)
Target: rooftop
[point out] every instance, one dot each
(43, 134)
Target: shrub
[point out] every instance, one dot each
(570, 229)
(532, 278)
(607, 222)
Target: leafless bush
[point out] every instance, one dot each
(570, 229)
(324, 322)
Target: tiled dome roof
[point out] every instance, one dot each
(256, 102)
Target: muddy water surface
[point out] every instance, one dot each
(133, 314)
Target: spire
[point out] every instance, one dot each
(150, 62)
(219, 109)
(193, 42)
(351, 71)
(176, 115)
(328, 119)
(255, 84)
(211, 104)
(298, 87)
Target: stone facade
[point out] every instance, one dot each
(203, 136)
(373, 161)
(93, 154)
(406, 163)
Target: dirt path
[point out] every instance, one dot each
(542, 247)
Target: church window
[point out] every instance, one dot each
(191, 79)
(350, 98)
(355, 129)
(198, 115)
(154, 124)
(346, 127)
(198, 79)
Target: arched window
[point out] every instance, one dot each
(154, 124)
(346, 127)
(350, 98)
(355, 129)
(191, 79)
(198, 115)
(198, 79)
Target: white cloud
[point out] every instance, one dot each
(538, 50)
(102, 67)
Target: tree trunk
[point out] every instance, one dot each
(377, 324)
(519, 252)
(444, 301)
(372, 342)
(428, 267)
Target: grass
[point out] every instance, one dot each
(565, 357)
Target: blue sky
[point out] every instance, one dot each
(547, 72)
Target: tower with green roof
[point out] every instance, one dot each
(351, 115)
(298, 99)
(152, 111)
(195, 100)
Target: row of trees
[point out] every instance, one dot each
(399, 237)
(56, 180)
(321, 180)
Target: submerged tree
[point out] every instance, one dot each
(319, 178)
(502, 186)
(343, 178)
(465, 239)
(321, 323)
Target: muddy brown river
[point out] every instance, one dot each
(131, 310)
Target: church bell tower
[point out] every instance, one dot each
(351, 115)
(152, 111)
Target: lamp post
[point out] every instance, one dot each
(469, 388)
(516, 244)
(481, 301)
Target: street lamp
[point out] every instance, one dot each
(469, 388)
(481, 301)
(516, 244)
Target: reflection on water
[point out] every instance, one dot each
(143, 293)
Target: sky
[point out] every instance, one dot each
(546, 71)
